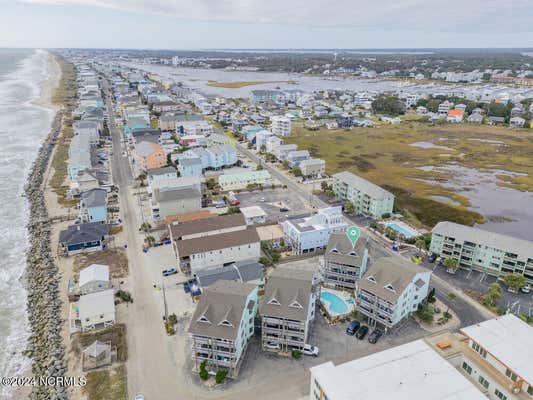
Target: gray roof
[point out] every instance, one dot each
(222, 301)
(363, 185)
(181, 117)
(146, 134)
(393, 271)
(161, 171)
(522, 248)
(214, 223)
(240, 272)
(190, 161)
(174, 194)
(216, 242)
(82, 233)
(97, 348)
(286, 289)
(340, 249)
(94, 198)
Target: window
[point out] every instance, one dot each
(500, 395)
(511, 374)
(467, 368)
(483, 382)
(479, 349)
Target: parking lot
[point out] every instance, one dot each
(520, 303)
(272, 200)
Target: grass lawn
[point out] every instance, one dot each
(108, 384)
(383, 155)
(241, 84)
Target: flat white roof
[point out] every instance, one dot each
(510, 340)
(96, 303)
(409, 372)
(94, 272)
(253, 211)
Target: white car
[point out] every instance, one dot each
(310, 350)
(139, 397)
(272, 346)
(526, 289)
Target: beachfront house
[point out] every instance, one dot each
(93, 311)
(93, 205)
(85, 237)
(94, 278)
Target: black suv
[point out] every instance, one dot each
(374, 336)
(353, 327)
(361, 333)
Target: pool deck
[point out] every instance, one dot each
(404, 227)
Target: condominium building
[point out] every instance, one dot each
(495, 355)
(366, 197)
(218, 250)
(287, 309)
(343, 264)
(315, 167)
(310, 234)
(222, 326)
(391, 290)
(413, 371)
(481, 250)
(241, 180)
(281, 126)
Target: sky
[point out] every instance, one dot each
(203, 24)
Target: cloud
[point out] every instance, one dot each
(468, 16)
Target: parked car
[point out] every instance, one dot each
(526, 289)
(170, 271)
(262, 200)
(375, 335)
(361, 332)
(283, 209)
(353, 327)
(272, 346)
(432, 258)
(310, 350)
(139, 397)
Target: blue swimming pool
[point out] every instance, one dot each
(333, 303)
(400, 229)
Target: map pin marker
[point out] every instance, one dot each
(353, 234)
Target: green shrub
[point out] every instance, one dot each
(221, 375)
(296, 354)
(204, 375)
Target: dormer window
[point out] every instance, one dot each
(295, 304)
(274, 302)
(391, 288)
(371, 279)
(226, 323)
(203, 318)
(334, 250)
(352, 253)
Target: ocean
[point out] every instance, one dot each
(23, 125)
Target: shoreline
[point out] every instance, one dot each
(45, 345)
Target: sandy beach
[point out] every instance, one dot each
(49, 85)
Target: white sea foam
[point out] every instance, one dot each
(23, 125)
